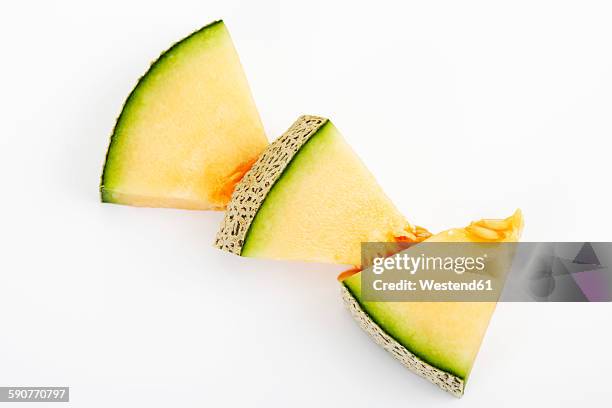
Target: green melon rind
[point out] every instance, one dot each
(105, 195)
(257, 236)
(446, 381)
(353, 285)
(251, 192)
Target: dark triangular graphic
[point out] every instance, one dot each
(586, 255)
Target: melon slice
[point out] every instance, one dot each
(440, 340)
(188, 131)
(309, 197)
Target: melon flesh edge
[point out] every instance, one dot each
(189, 130)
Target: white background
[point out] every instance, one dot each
(462, 110)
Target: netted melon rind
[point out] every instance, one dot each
(250, 193)
(442, 379)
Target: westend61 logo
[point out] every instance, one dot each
(413, 264)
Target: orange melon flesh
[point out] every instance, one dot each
(189, 130)
(445, 335)
(324, 205)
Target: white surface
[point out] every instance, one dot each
(462, 110)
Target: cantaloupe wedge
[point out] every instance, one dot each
(188, 131)
(440, 340)
(309, 197)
